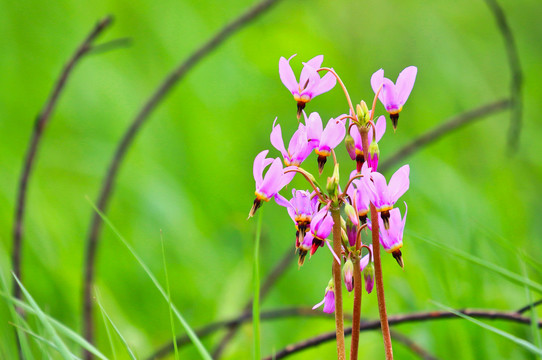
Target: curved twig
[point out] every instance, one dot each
(399, 319)
(413, 346)
(445, 128)
(516, 74)
(37, 134)
(529, 306)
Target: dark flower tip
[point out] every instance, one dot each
(399, 257)
(386, 219)
(360, 159)
(300, 107)
(255, 206)
(394, 120)
(302, 254)
(321, 162)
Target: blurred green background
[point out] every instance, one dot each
(189, 172)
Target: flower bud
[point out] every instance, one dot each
(350, 146)
(374, 154)
(351, 232)
(333, 183)
(362, 112)
(348, 271)
(369, 277)
(351, 213)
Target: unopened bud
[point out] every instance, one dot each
(348, 271)
(333, 183)
(374, 154)
(350, 146)
(351, 232)
(351, 213)
(369, 277)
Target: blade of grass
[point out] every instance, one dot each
(534, 318)
(191, 334)
(108, 332)
(256, 297)
(518, 279)
(171, 320)
(104, 313)
(63, 329)
(41, 340)
(62, 348)
(524, 343)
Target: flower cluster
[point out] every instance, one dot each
(312, 210)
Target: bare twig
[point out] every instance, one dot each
(273, 276)
(529, 306)
(413, 346)
(516, 79)
(37, 134)
(399, 319)
(155, 99)
(445, 128)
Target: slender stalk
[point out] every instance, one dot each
(256, 296)
(339, 318)
(358, 284)
(378, 267)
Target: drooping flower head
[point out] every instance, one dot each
(329, 299)
(305, 245)
(356, 153)
(310, 84)
(298, 148)
(321, 226)
(324, 140)
(384, 196)
(268, 186)
(358, 193)
(393, 96)
(301, 209)
(392, 238)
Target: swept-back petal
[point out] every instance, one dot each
(380, 126)
(312, 80)
(272, 181)
(282, 201)
(276, 139)
(325, 84)
(399, 182)
(315, 63)
(287, 75)
(314, 127)
(333, 134)
(388, 95)
(381, 189)
(260, 162)
(376, 81)
(405, 83)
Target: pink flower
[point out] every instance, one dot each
(301, 209)
(358, 155)
(268, 186)
(329, 299)
(298, 148)
(384, 196)
(393, 96)
(310, 84)
(392, 238)
(324, 139)
(358, 193)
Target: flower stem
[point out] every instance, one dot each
(358, 284)
(339, 318)
(256, 296)
(378, 267)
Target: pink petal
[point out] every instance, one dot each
(377, 80)
(380, 126)
(399, 183)
(313, 81)
(333, 134)
(325, 84)
(314, 127)
(388, 95)
(276, 139)
(405, 83)
(260, 163)
(314, 63)
(381, 188)
(287, 75)
(273, 178)
(282, 201)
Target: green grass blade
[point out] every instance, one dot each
(191, 334)
(41, 339)
(109, 337)
(516, 278)
(63, 329)
(104, 313)
(62, 348)
(521, 342)
(256, 296)
(171, 320)
(534, 318)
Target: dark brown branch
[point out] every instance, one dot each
(413, 346)
(529, 306)
(445, 128)
(400, 319)
(516, 79)
(37, 134)
(277, 271)
(155, 99)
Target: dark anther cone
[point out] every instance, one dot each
(300, 107)
(316, 243)
(399, 257)
(394, 120)
(386, 219)
(360, 159)
(297, 243)
(255, 206)
(302, 254)
(321, 162)
(362, 219)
